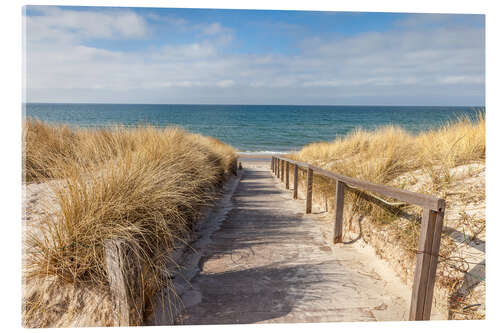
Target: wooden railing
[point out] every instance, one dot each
(430, 231)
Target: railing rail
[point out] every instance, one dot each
(430, 231)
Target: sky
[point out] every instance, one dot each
(212, 56)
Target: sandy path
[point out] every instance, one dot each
(270, 262)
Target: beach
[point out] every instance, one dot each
(255, 159)
(65, 165)
(190, 166)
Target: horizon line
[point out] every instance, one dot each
(239, 104)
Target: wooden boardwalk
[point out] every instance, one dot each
(270, 262)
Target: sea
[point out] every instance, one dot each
(253, 129)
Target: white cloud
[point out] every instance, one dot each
(442, 65)
(71, 25)
(186, 51)
(212, 29)
(225, 83)
(461, 79)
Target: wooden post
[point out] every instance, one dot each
(113, 254)
(339, 212)
(282, 171)
(436, 244)
(295, 181)
(309, 190)
(287, 176)
(278, 168)
(425, 270)
(124, 270)
(272, 161)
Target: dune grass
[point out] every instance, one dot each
(382, 155)
(421, 162)
(145, 186)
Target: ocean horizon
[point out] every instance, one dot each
(253, 129)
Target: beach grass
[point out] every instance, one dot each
(382, 155)
(392, 156)
(430, 162)
(144, 186)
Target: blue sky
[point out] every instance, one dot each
(161, 55)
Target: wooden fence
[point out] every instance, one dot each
(430, 231)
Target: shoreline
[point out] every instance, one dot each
(256, 157)
(259, 156)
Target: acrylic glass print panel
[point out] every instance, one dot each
(217, 166)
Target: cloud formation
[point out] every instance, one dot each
(65, 25)
(417, 62)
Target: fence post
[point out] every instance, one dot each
(425, 270)
(287, 176)
(282, 174)
(124, 272)
(339, 211)
(278, 168)
(295, 180)
(274, 165)
(113, 254)
(309, 190)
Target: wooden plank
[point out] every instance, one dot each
(125, 277)
(430, 232)
(309, 190)
(117, 284)
(423, 200)
(287, 175)
(434, 256)
(339, 212)
(419, 199)
(282, 171)
(295, 181)
(300, 164)
(421, 277)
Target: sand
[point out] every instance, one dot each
(295, 265)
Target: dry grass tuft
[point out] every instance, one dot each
(382, 155)
(144, 186)
(426, 163)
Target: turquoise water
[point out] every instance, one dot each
(252, 128)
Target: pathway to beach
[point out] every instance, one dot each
(270, 262)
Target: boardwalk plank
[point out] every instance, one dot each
(269, 262)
